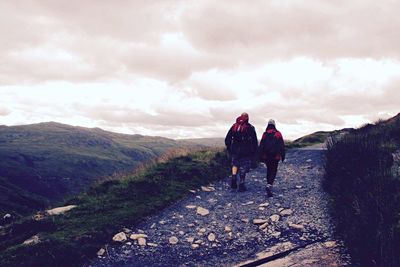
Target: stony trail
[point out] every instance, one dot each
(217, 226)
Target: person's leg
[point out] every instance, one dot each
(234, 174)
(243, 170)
(272, 169)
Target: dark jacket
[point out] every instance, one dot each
(280, 151)
(241, 139)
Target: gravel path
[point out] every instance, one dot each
(296, 216)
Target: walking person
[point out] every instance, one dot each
(271, 151)
(241, 143)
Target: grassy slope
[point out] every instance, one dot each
(365, 192)
(73, 238)
(48, 161)
(315, 138)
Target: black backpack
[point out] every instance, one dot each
(270, 145)
(241, 142)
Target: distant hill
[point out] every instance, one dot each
(316, 138)
(45, 162)
(208, 142)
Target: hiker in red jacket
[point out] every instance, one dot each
(271, 151)
(241, 143)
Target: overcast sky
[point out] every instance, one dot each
(189, 68)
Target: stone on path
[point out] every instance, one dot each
(32, 241)
(211, 237)
(152, 244)
(245, 220)
(248, 203)
(60, 210)
(101, 252)
(228, 229)
(190, 239)
(173, 240)
(120, 237)
(296, 226)
(276, 234)
(191, 206)
(275, 218)
(264, 205)
(299, 186)
(137, 236)
(142, 241)
(192, 191)
(207, 189)
(286, 212)
(195, 246)
(263, 226)
(260, 221)
(330, 244)
(202, 211)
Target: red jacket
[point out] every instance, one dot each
(279, 154)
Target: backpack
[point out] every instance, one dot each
(241, 142)
(270, 145)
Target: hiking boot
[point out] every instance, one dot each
(269, 192)
(242, 187)
(233, 182)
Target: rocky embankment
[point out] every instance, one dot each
(217, 226)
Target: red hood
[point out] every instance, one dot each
(242, 119)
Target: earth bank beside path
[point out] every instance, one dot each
(217, 226)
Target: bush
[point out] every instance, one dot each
(365, 196)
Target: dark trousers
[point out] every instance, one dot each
(272, 169)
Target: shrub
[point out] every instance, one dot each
(365, 195)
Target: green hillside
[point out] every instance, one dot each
(319, 137)
(73, 238)
(42, 163)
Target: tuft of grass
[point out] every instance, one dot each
(365, 192)
(75, 237)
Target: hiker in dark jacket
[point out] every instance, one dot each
(241, 143)
(271, 151)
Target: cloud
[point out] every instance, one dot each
(173, 67)
(171, 40)
(4, 111)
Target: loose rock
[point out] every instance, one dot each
(101, 252)
(32, 241)
(275, 218)
(263, 226)
(228, 229)
(330, 244)
(207, 189)
(142, 242)
(191, 206)
(137, 236)
(120, 237)
(296, 226)
(286, 212)
(202, 211)
(259, 221)
(211, 237)
(60, 210)
(173, 240)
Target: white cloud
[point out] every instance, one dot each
(188, 68)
